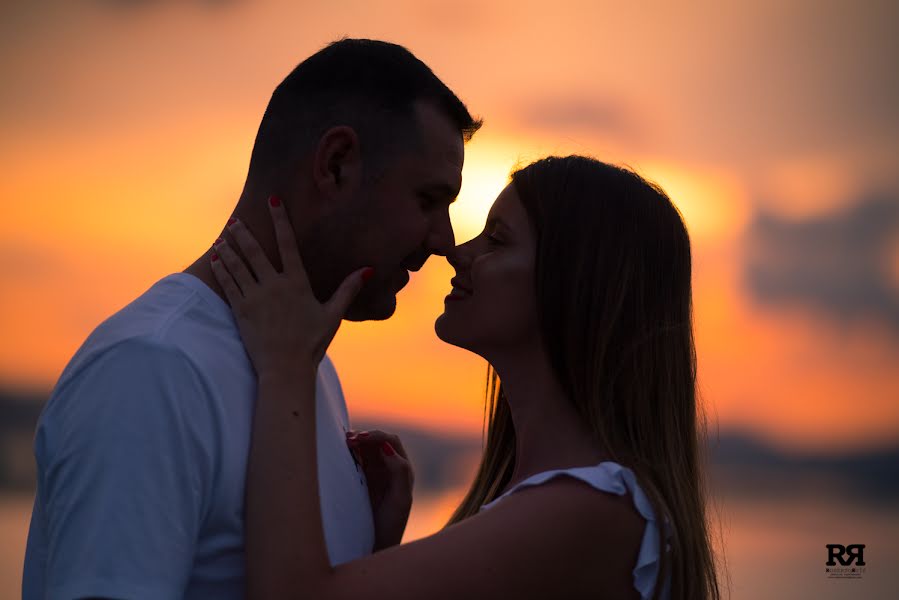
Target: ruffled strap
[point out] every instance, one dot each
(613, 478)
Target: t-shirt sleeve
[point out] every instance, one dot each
(126, 461)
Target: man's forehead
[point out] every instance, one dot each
(433, 161)
(439, 138)
(435, 175)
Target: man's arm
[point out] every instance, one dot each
(125, 462)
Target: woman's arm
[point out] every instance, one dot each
(285, 331)
(285, 542)
(561, 539)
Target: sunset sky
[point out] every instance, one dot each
(127, 128)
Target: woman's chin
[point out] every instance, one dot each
(451, 333)
(447, 331)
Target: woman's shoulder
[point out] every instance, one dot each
(611, 517)
(605, 530)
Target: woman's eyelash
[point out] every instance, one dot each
(492, 240)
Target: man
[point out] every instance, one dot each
(142, 447)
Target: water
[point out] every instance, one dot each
(775, 548)
(15, 515)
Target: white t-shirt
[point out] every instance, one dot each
(142, 453)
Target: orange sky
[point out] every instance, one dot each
(127, 131)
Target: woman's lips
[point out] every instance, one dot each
(457, 294)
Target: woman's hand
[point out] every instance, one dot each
(390, 480)
(279, 318)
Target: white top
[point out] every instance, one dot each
(142, 453)
(613, 478)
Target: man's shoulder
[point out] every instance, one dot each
(176, 307)
(156, 342)
(170, 318)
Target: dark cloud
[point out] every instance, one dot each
(602, 116)
(745, 466)
(132, 4)
(21, 263)
(838, 265)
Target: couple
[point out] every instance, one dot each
(198, 446)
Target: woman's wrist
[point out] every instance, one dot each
(288, 373)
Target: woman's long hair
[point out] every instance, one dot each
(615, 307)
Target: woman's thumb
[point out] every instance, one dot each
(347, 292)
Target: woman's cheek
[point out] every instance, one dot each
(505, 285)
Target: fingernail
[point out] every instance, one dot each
(362, 434)
(215, 257)
(388, 449)
(367, 274)
(274, 201)
(217, 241)
(231, 221)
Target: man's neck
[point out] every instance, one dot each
(250, 209)
(202, 270)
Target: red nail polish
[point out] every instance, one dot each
(274, 201)
(367, 274)
(215, 257)
(388, 449)
(217, 241)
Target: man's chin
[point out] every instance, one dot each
(371, 308)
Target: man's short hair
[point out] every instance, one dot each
(369, 85)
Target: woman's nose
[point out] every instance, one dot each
(460, 256)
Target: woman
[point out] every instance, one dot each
(577, 293)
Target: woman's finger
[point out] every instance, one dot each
(377, 437)
(394, 441)
(235, 266)
(291, 260)
(397, 464)
(358, 457)
(232, 292)
(252, 251)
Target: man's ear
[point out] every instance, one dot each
(337, 163)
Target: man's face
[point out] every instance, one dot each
(398, 219)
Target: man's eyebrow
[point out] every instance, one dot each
(440, 189)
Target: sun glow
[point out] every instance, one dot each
(488, 164)
(713, 204)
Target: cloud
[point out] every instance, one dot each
(23, 263)
(583, 113)
(133, 4)
(841, 265)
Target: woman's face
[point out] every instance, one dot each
(493, 304)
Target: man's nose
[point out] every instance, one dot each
(441, 239)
